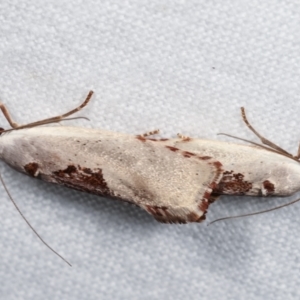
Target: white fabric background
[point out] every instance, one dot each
(181, 66)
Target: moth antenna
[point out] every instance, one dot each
(296, 158)
(31, 227)
(255, 213)
(250, 142)
(56, 119)
(262, 139)
(67, 119)
(76, 118)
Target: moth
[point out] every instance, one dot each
(175, 180)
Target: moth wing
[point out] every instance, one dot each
(181, 187)
(173, 185)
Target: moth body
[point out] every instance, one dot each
(175, 180)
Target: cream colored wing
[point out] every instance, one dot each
(173, 185)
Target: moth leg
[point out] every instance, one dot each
(184, 138)
(149, 133)
(61, 117)
(262, 139)
(7, 116)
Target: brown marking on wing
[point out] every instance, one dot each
(161, 214)
(202, 218)
(205, 157)
(213, 197)
(68, 171)
(204, 204)
(174, 149)
(83, 179)
(87, 170)
(218, 165)
(269, 188)
(188, 154)
(157, 140)
(208, 198)
(141, 138)
(212, 186)
(32, 169)
(219, 171)
(233, 184)
(156, 211)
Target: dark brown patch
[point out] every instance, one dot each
(205, 157)
(218, 165)
(83, 179)
(213, 185)
(209, 196)
(269, 187)
(32, 169)
(141, 138)
(157, 140)
(68, 171)
(213, 197)
(233, 184)
(219, 171)
(202, 218)
(161, 214)
(172, 148)
(87, 170)
(188, 154)
(206, 196)
(203, 206)
(208, 199)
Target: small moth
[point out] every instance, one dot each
(175, 180)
